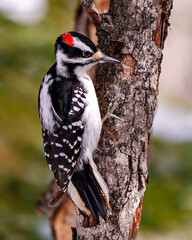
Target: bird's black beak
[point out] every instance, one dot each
(100, 57)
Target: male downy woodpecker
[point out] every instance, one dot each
(71, 122)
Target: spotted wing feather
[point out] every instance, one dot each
(62, 147)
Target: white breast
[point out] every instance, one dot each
(91, 117)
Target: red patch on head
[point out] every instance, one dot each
(68, 38)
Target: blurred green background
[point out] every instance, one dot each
(26, 53)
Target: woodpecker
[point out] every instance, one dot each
(71, 122)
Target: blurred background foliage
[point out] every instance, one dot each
(26, 53)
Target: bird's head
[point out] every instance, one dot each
(75, 49)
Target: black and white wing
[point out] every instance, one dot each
(62, 146)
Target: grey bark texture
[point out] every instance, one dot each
(134, 32)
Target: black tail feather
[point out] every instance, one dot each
(89, 204)
(99, 201)
(90, 192)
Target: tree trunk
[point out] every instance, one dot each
(133, 32)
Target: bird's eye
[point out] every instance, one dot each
(87, 54)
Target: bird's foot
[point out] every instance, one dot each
(109, 114)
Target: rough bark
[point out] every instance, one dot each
(134, 32)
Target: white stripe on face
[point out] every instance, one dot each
(81, 45)
(61, 57)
